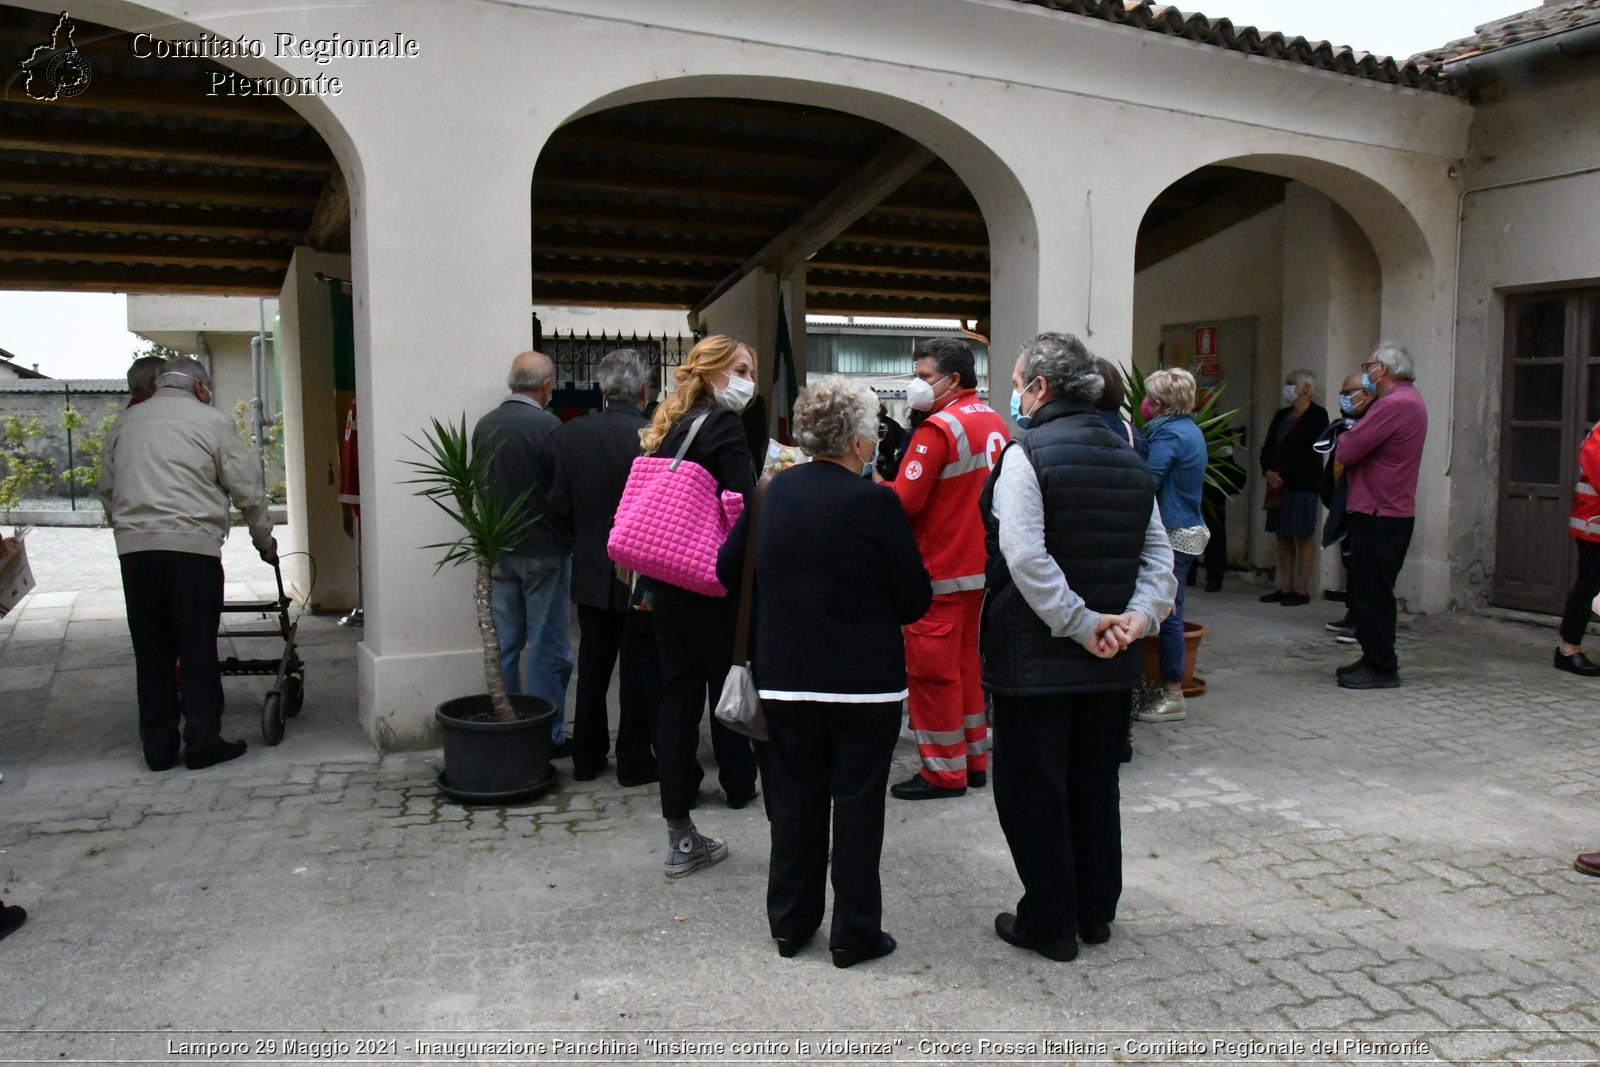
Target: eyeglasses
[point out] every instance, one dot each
(1365, 367)
(1351, 394)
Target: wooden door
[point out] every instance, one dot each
(1552, 397)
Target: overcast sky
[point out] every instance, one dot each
(85, 335)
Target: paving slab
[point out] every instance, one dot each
(1301, 864)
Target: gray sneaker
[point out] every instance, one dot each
(689, 850)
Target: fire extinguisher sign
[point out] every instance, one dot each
(1205, 341)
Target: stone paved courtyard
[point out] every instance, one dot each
(1301, 862)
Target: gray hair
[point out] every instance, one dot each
(1303, 379)
(1067, 367)
(831, 413)
(183, 372)
(142, 375)
(1394, 356)
(623, 374)
(531, 375)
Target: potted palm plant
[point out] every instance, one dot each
(496, 744)
(1222, 473)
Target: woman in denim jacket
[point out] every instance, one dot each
(1178, 468)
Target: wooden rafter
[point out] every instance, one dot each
(155, 186)
(115, 218)
(158, 251)
(1248, 198)
(886, 171)
(102, 278)
(172, 146)
(330, 222)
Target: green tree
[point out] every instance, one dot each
(87, 447)
(19, 467)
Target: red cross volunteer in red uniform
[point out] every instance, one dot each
(947, 462)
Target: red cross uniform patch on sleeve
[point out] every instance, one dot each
(913, 470)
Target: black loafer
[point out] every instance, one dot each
(219, 751)
(1274, 597)
(975, 779)
(589, 774)
(1094, 933)
(1577, 663)
(12, 916)
(788, 947)
(849, 957)
(637, 776)
(1005, 924)
(1294, 600)
(1370, 678)
(1350, 668)
(919, 788)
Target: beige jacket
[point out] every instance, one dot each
(169, 467)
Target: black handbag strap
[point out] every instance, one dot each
(694, 428)
(747, 578)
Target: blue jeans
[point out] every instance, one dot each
(1172, 627)
(530, 601)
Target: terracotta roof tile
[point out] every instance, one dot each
(1515, 29)
(1222, 33)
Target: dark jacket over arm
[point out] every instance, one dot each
(521, 435)
(1295, 459)
(594, 454)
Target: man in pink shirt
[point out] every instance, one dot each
(1381, 456)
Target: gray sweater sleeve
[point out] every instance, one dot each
(240, 478)
(1156, 587)
(1019, 505)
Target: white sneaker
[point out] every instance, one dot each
(1170, 709)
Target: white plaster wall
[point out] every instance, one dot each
(1065, 128)
(313, 434)
(1528, 221)
(223, 314)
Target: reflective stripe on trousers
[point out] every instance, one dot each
(943, 678)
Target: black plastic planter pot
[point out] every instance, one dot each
(491, 762)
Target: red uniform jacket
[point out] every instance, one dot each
(1585, 523)
(946, 464)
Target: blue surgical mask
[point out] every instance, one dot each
(1366, 383)
(1016, 412)
(877, 447)
(1347, 405)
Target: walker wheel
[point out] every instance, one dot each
(272, 717)
(294, 695)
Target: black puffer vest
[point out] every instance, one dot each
(1097, 504)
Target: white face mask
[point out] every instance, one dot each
(919, 394)
(1290, 395)
(737, 394)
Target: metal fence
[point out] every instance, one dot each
(576, 357)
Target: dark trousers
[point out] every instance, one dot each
(1216, 555)
(1055, 762)
(1575, 619)
(174, 603)
(603, 636)
(821, 755)
(695, 654)
(1377, 552)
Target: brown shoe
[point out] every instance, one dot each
(1588, 863)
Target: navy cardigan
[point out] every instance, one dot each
(837, 574)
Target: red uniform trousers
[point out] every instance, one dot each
(946, 701)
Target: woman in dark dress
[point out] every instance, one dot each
(694, 633)
(837, 574)
(1294, 475)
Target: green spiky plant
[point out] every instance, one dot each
(1223, 471)
(456, 479)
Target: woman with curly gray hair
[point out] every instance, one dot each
(837, 574)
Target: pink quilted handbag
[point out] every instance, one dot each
(671, 521)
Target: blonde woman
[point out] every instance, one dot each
(694, 633)
(1178, 470)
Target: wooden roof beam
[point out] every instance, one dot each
(157, 251)
(330, 222)
(178, 146)
(888, 169)
(118, 218)
(1245, 200)
(90, 278)
(155, 186)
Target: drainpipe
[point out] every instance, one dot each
(258, 354)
